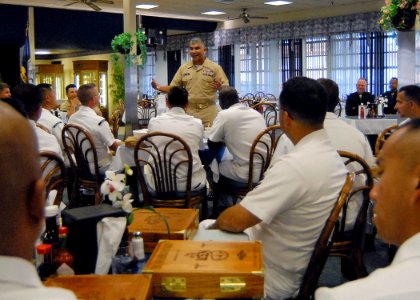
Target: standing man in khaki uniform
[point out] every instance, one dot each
(201, 78)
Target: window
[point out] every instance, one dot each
(147, 74)
(291, 59)
(316, 57)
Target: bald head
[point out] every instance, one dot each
(21, 191)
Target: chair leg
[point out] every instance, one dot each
(358, 264)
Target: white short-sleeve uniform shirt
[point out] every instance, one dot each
(100, 131)
(191, 130)
(293, 201)
(237, 127)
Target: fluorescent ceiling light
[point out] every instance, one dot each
(146, 6)
(42, 52)
(277, 3)
(213, 13)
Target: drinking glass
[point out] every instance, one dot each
(124, 261)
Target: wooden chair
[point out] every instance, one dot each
(349, 244)
(81, 152)
(268, 111)
(259, 96)
(337, 109)
(165, 155)
(115, 122)
(261, 153)
(146, 113)
(382, 137)
(247, 100)
(54, 174)
(320, 254)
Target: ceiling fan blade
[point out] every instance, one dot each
(93, 6)
(71, 3)
(104, 1)
(257, 17)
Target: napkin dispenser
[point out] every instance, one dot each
(82, 238)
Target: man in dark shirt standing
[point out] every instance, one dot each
(361, 97)
(391, 95)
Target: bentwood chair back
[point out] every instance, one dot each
(160, 158)
(248, 99)
(81, 152)
(337, 109)
(115, 122)
(54, 174)
(145, 111)
(260, 156)
(259, 97)
(382, 137)
(320, 254)
(349, 243)
(268, 111)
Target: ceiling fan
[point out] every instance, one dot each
(90, 3)
(246, 17)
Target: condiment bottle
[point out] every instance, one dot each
(44, 263)
(64, 259)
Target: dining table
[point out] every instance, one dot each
(372, 126)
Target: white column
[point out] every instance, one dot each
(406, 58)
(130, 71)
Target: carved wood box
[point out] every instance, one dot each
(209, 269)
(105, 287)
(183, 224)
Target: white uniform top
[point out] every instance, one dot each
(99, 129)
(293, 201)
(237, 127)
(191, 130)
(347, 138)
(19, 280)
(53, 124)
(400, 280)
(46, 141)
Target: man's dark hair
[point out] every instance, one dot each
(178, 97)
(228, 96)
(305, 100)
(30, 97)
(16, 104)
(86, 92)
(44, 88)
(4, 86)
(332, 92)
(70, 86)
(412, 92)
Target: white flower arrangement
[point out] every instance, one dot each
(114, 187)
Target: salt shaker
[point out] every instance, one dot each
(138, 245)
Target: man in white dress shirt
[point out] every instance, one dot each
(30, 97)
(396, 216)
(189, 128)
(288, 209)
(235, 127)
(48, 119)
(347, 138)
(97, 126)
(22, 200)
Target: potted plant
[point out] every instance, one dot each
(124, 42)
(399, 14)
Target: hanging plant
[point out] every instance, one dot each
(399, 14)
(123, 44)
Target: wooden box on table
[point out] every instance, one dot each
(105, 287)
(206, 269)
(183, 224)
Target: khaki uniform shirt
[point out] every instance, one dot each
(201, 96)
